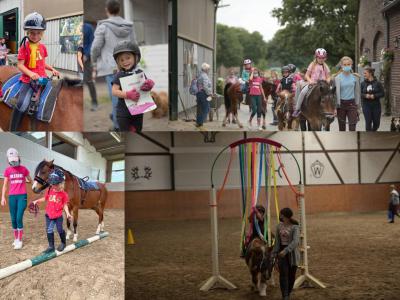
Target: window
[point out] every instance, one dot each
(36, 137)
(118, 171)
(61, 146)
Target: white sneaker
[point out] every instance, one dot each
(18, 245)
(260, 128)
(249, 125)
(14, 242)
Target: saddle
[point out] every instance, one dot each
(86, 186)
(43, 100)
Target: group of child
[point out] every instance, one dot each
(15, 178)
(32, 64)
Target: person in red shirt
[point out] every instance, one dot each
(32, 63)
(57, 202)
(256, 95)
(15, 178)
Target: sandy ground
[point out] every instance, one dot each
(356, 255)
(95, 271)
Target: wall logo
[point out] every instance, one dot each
(136, 174)
(317, 169)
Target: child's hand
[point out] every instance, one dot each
(133, 94)
(3, 201)
(34, 76)
(69, 216)
(34, 202)
(55, 73)
(147, 85)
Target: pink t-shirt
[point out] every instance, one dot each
(256, 86)
(318, 72)
(17, 178)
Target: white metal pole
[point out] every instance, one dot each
(216, 277)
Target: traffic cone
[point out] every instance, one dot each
(131, 241)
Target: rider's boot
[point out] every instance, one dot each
(16, 119)
(50, 238)
(63, 238)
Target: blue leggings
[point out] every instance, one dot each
(17, 205)
(50, 223)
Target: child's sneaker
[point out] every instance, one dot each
(18, 245)
(13, 244)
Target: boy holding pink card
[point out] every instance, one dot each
(134, 99)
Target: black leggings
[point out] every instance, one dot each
(287, 274)
(130, 123)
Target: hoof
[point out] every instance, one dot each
(263, 290)
(240, 126)
(223, 124)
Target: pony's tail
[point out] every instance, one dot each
(226, 97)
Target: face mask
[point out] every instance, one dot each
(14, 163)
(346, 68)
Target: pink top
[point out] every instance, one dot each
(17, 178)
(318, 72)
(256, 86)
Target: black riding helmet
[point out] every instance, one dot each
(34, 21)
(292, 68)
(285, 69)
(127, 46)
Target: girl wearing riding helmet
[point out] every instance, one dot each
(317, 70)
(256, 92)
(247, 69)
(295, 76)
(127, 56)
(15, 178)
(286, 83)
(32, 64)
(348, 94)
(57, 202)
(286, 248)
(256, 221)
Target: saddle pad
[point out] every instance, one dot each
(10, 89)
(48, 100)
(88, 185)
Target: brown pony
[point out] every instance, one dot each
(161, 100)
(68, 113)
(319, 107)
(284, 111)
(259, 261)
(232, 96)
(78, 198)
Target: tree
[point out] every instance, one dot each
(311, 24)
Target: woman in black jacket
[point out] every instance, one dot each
(371, 92)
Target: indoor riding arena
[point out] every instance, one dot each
(95, 270)
(184, 232)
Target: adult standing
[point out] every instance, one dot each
(88, 37)
(3, 51)
(203, 96)
(347, 95)
(108, 33)
(371, 93)
(286, 248)
(393, 204)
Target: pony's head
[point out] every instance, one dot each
(42, 172)
(327, 100)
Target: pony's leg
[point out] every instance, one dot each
(236, 118)
(262, 289)
(100, 226)
(254, 279)
(75, 214)
(69, 232)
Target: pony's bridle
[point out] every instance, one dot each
(44, 184)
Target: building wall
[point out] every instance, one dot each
(194, 204)
(54, 9)
(87, 163)
(370, 22)
(394, 19)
